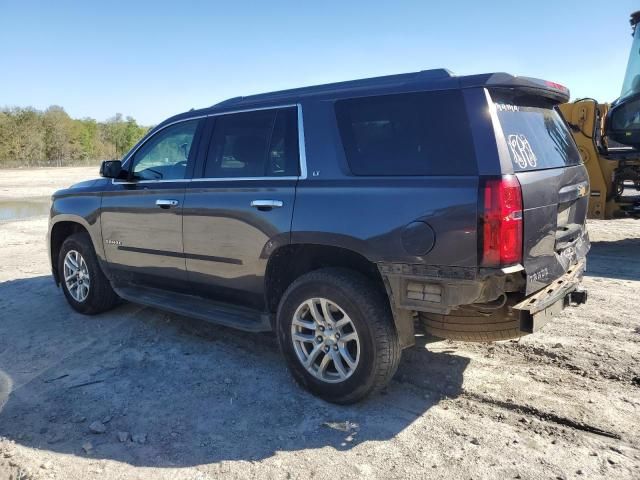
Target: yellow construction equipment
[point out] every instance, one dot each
(608, 137)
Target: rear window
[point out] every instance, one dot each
(537, 136)
(424, 133)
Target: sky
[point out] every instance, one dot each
(152, 59)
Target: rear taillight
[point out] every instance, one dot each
(501, 222)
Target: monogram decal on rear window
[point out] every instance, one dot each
(521, 152)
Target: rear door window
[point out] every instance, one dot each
(262, 143)
(425, 133)
(536, 133)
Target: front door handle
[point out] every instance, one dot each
(265, 205)
(166, 203)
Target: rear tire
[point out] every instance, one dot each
(474, 323)
(363, 310)
(96, 295)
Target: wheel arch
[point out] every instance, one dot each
(63, 227)
(289, 262)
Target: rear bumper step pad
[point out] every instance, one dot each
(542, 306)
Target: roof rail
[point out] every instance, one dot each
(433, 74)
(228, 101)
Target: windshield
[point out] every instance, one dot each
(537, 136)
(631, 83)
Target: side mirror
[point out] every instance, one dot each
(111, 169)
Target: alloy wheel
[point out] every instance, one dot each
(76, 276)
(325, 340)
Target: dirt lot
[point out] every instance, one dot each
(138, 393)
(37, 182)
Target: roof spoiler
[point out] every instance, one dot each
(535, 86)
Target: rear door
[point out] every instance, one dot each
(555, 185)
(238, 208)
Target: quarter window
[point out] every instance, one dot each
(165, 155)
(424, 133)
(254, 144)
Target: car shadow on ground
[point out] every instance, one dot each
(615, 259)
(171, 391)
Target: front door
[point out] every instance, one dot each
(238, 207)
(142, 217)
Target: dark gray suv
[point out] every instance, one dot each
(342, 216)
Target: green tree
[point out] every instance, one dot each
(58, 140)
(22, 136)
(29, 137)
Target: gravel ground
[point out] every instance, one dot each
(139, 393)
(17, 183)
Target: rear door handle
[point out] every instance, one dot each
(265, 205)
(166, 203)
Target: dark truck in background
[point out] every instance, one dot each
(340, 216)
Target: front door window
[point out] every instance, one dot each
(165, 155)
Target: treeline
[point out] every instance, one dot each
(30, 138)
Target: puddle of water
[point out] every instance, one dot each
(22, 209)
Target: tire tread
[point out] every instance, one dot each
(102, 298)
(375, 308)
(469, 326)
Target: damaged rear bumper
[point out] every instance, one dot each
(542, 306)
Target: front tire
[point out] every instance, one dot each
(336, 332)
(84, 284)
